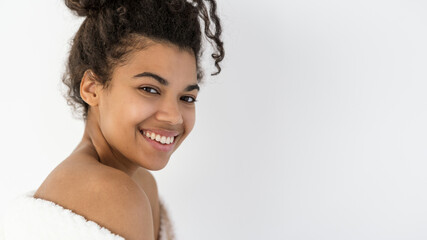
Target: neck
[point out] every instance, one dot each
(94, 143)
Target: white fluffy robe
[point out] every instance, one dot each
(30, 218)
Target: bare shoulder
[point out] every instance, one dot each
(110, 198)
(119, 204)
(147, 182)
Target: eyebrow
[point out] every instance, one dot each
(164, 81)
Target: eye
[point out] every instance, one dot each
(189, 99)
(149, 90)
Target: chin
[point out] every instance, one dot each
(156, 165)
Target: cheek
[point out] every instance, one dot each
(113, 118)
(125, 111)
(135, 110)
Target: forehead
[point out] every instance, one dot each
(165, 59)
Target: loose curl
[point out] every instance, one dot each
(113, 29)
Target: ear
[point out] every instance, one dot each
(88, 88)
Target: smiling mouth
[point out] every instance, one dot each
(164, 140)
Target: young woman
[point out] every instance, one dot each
(133, 74)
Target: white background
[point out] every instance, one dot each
(315, 129)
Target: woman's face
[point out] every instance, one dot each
(150, 96)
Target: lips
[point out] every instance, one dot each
(159, 146)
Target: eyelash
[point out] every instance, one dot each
(157, 92)
(144, 88)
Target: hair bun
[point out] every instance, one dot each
(85, 8)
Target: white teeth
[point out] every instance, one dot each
(159, 138)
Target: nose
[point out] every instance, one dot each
(169, 112)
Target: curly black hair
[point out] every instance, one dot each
(113, 28)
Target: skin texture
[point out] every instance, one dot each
(113, 158)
